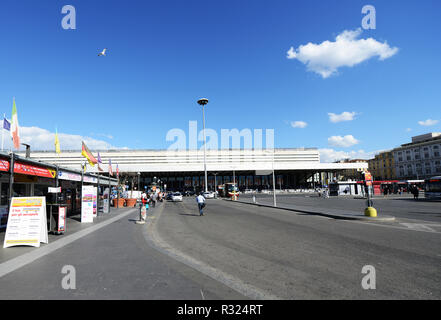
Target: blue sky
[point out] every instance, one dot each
(164, 55)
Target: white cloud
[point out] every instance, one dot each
(408, 129)
(330, 155)
(44, 140)
(346, 51)
(345, 116)
(345, 142)
(298, 124)
(428, 122)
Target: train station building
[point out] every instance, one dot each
(184, 169)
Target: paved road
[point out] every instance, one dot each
(400, 207)
(298, 256)
(235, 251)
(114, 262)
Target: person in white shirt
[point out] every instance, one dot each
(201, 204)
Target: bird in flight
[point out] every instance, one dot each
(102, 53)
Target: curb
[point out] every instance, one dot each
(324, 214)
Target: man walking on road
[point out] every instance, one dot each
(201, 204)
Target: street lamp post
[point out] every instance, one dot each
(203, 102)
(274, 182)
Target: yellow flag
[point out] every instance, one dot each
(57, 143)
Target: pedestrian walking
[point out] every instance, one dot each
(154, 198)
(201, 203)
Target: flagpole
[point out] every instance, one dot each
(3, 129)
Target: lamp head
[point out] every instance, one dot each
(203, 101)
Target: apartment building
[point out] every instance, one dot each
(382, 166)
(419, 159)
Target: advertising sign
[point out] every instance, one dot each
(33, 170)
(61, 219)
(4, 165)
(28, 169)
(368, 178)
(95, 206)
(27, 224)
(64, 175)
(106, 202)
(87, 204)
(89, 179)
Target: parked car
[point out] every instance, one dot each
(208, 195)
(169, 196)
(177, 196)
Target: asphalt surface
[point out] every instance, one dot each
(299, 256)
(114, 262)
(234, 251)
(398, 206)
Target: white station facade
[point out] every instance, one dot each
(184, 169)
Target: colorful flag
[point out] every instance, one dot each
(57, 142)
(89, 156)
(110, 167)
(99, 158)
(117, 172)
(6, 124)
(14, 127)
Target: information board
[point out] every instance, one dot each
(27, 222)
(87, 204)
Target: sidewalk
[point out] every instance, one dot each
(327, 212)
(73, 226)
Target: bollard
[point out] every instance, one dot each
(370, 212)
(142, 214)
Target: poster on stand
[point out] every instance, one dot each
(106, 202)
(95, 206)
(87, 204)
(27, 222)
(61, 219)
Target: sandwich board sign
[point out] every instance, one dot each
(27, 222)
(87, 204)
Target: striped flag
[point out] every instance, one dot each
(85, 152)
(110, 167)
(99, 161)
(14, 127)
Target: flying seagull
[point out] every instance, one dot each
(102, 53)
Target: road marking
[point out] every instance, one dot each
(405, 228)
(202, 294)
(247, 290)
(20, 261)
(421, 226)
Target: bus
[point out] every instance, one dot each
(227, 190)
(433, 188)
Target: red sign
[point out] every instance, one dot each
(33, 170)
(368, 178)
(4, 165)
